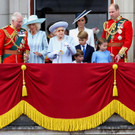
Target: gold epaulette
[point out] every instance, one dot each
(126, 19)
(14, 33)
(5, 27)
(106, 22)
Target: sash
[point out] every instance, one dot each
(14, 46)
(120, 22)
(18, 41)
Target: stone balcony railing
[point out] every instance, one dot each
(24, 126)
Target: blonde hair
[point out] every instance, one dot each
(82, 35)
(38, 26)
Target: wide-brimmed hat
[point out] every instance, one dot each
(57, 25)
(80, 15)
(33, 19)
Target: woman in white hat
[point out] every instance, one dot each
(37, 40)
(61, 47)
(80, 21)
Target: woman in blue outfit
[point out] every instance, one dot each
(102, 55)
(61, 47)
(37, 40)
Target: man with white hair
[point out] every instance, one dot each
(13, 41)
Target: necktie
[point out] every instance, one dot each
(83, 50)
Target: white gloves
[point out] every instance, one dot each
(67, 45)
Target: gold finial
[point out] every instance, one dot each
(24, 89)
(115, 90)
(115, 66)
(23, 67)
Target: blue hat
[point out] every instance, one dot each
(79, 16)
(32, 19)
(57, 25)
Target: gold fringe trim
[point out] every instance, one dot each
(12, 114)
(125, 112)
(82, 123)
(67, 124)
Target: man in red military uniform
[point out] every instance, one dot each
(118, 32)
(13, 41)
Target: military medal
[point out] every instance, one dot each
(20, 45)
(18, 50)
(23, 41)
(118, 25)
(21, 34)
(119, 37)
(120, 31)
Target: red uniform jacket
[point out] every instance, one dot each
(119, 36)
(12, 51)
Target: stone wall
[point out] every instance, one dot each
(4, 12)
(114, 125)
(127, 10)
(8, 7)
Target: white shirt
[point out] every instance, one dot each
(74, 32)
(84, 46)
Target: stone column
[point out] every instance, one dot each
(4, 13)
(127, 10)
(21, 6)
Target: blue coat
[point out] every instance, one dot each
(55, 45)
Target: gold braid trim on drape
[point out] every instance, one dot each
(67, 124)
(81, 123)
(12, 114)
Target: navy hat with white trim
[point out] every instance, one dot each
(79, 16)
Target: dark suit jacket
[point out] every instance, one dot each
(88, 52)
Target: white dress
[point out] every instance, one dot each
(74, 32)
(37, 42)
(56, 45)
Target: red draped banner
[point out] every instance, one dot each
(67, 97)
